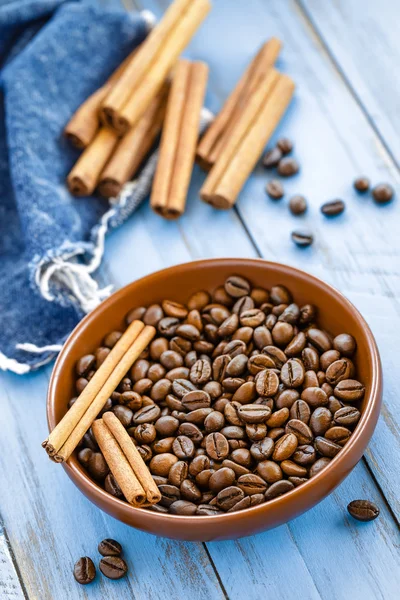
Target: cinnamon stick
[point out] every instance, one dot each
(83, 125)
(216, 136)
(118, 464)
(245, 146)
(133, 148)
(65, 427)
(132, 354)
(83, 178)
(146, 73)
(132, 455)
(179, 139)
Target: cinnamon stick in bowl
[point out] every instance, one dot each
(179, 139)
(133, 148)
(145, 74)
(217, 135)
(253, 130)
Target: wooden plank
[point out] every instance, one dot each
(363, 39)
(11, 587)
(357, 252)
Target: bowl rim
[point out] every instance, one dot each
(373, 401)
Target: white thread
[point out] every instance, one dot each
(10, 364)
(37, 350)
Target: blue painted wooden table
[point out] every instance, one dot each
(345, 120)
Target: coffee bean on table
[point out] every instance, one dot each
(302, 238)
(362, 184)
(113, 567)
(363, 510)
(272, 158)
(285, 145)
(274, 189)
(382, 193)
(333, 208)
(297, 204)
(84, 570)
(288, 167)
(109, 547)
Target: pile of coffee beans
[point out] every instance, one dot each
(240, 398)
(111, 565)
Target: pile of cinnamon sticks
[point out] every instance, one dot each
(120, 453)
(154, 93)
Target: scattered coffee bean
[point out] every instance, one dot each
(297, 204)
(363, 510)
(84, 570)
(333, 208)
(362, 184)
(113, 567)
(274, 189)
(239, 398)
(109, 547)
(302, 238)
(272, 158)
(288, 167)
(285, 145)
(382, 193)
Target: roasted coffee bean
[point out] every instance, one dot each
(301, 430)
(327, 358)
(135, 314)
(326, 447)
(262, 450)
(274, 189)
(245, 393)
(109, 547)
(254, 413)
(143, 386)
(198, 416)
(297, 204)
(157, 347)
(145, 452)
(80, 384)
(237, 366)
(166, 426)
(285, 145)
(285, 446)
(196, 399)
(231, 384)
(243, 304)
(321, 376)
(251, 484)
(300, 410)
(183, 507)
(191, 431)
(180, 387)
(245, 334)
(169, 494)
(146, 432)
(347, 416)
(231, 413)
(310, 359)
(174, 309)
(229, 326)
(113, 567)
(282, 333)
(84, 570)
(161, 463)
(291, 469)
(276, 355)
(234, 348)
(277, 489)
(252, 318)
(259, 362)
(304, 455)
(180, 345)
(160, 390)
(345, 344)
(308, 314)
(217, 446)
(361, 184)
(296, 345)
(101, 355)
(292, 373)
(140, 369)
(112, 487)
(221, 479)
(183, 447)
(272, 158)
(208, 510)
(334, 404)
(333, 208)
(287, 167)
(259, 296)
(321, 420)
(228, 497)
(339, 370)
(286, 399)
(241, 456)
(262, 337)
(237, 286)
(214, 422)
(382, 193)
(233, 432)
(339, 435)
(318, 466)
(238, 469)
(278, 418)
(190, 491)
(171, 359)
(319, 339)
(314, 397)
(256, 431)
(267, 383)
(97, 466)
(177, 473)
(168, 326)
(302, 238)
(214, 389)
(310, 380)
(147, 414)
(200, 372)
(153, 315)
(198, 300)
(85, 364)
(349, 390)
(363, 510)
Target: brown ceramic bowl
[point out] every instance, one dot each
(337, 315)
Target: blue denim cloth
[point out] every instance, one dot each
(52, 56)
